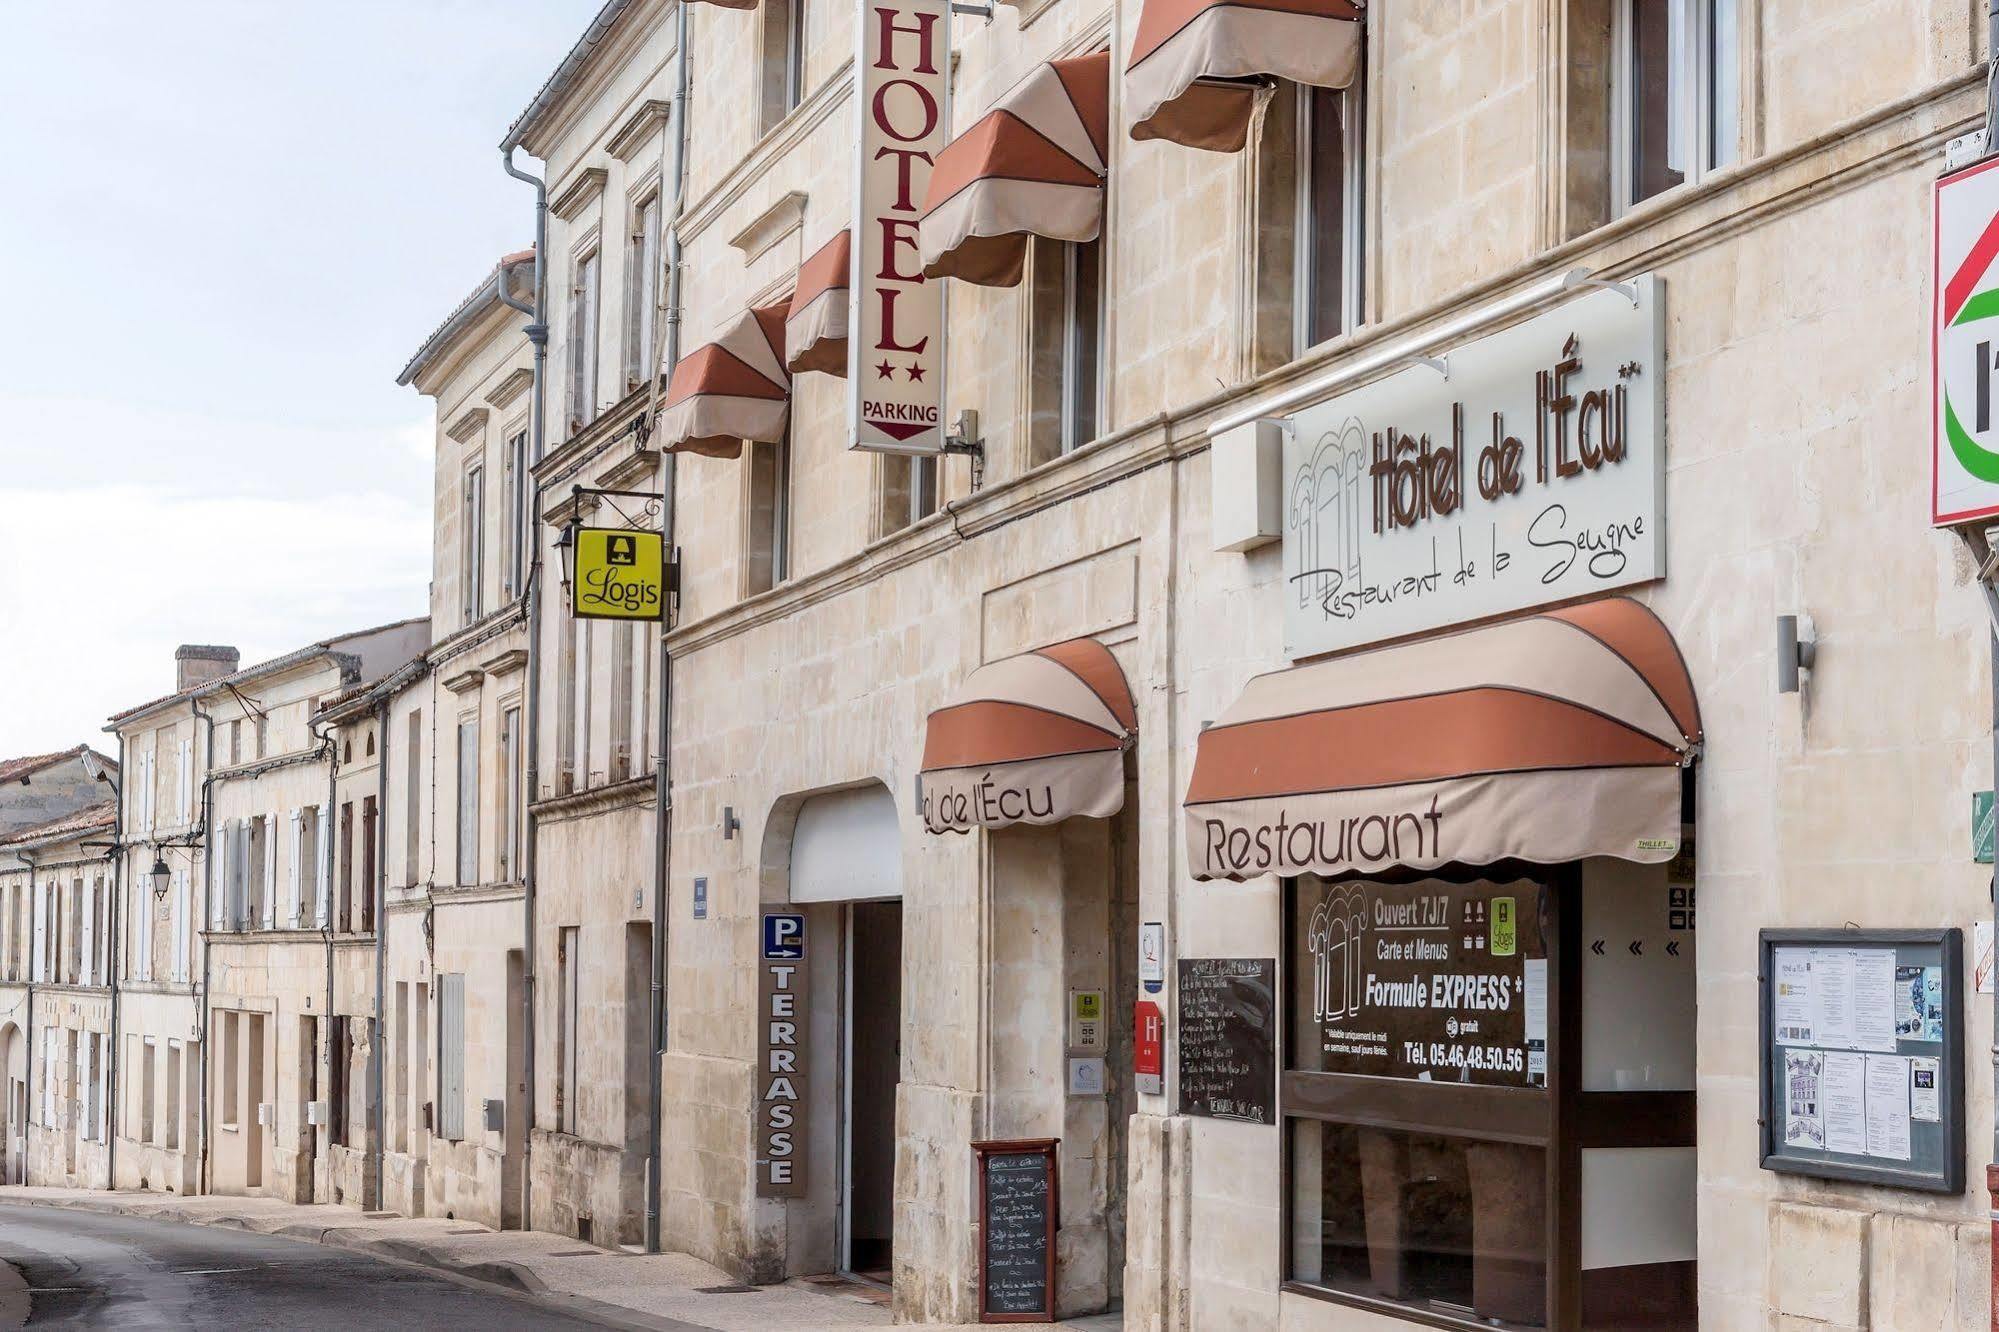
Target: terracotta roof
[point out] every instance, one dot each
(91, 818)
(20, 769)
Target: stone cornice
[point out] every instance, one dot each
(639, 128)
(1670, 227)
(507, 390)
(631, 792)
(772, 225)
(773, 148)
(468, 425)
(588, 184)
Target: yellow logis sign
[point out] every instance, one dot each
(620, 575)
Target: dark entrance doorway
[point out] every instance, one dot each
(873, 1047)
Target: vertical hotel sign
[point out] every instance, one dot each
(895, 366)
(1964, 347)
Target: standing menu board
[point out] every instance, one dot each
(1019, 1197)
(1863, 1056)
(1227, 1020)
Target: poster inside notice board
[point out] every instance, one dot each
(1227, 1038)
(1863, 1056)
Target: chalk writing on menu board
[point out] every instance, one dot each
(1018, 1199)
(1227, 1022)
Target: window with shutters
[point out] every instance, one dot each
(642, 294)
(161, 775)
(451, 1056)
(569, 965)
(72, 972)
(472, 543)
(258, 858)
(468, 800)
(510, 805)
(582, 404)
(343, 918)
(179, 934)
(370, 880)
(307, 855)
(413, 799)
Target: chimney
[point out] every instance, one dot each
(196, 663)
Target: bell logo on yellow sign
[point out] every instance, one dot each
(620, 574)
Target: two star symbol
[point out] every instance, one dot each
(884, 370)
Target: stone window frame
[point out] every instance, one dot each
(780, 61)
(1706, 21)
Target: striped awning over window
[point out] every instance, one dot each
(1194, 64)
(729, 390)
(1551, 737)
(815, 326)
(1037, 738)
(1032, 166)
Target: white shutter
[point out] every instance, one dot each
(87, 953)
(48, 1078)
(218, 878)
(144, 905)
(35, 968)
(324, 886)
(297, 844)
(86, 1087)
(177, 964)
(451, 1056)
(187, 781)
(270, 891)
(146, 790)
(104, 1091)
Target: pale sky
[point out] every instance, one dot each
(226, 226)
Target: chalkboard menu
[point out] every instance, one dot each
(1227, 1038)
(1863, 1056)
(1018, 1200)
(1444, 981)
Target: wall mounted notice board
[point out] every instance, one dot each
(1020, 1198)
(1862, 1037)
(1227, 1018)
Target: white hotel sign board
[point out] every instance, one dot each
(1533, 473)
(895, 357)
(1964, 347)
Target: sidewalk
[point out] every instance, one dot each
(652, 1291)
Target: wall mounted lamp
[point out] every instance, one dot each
(731, 825)
(1795, 654)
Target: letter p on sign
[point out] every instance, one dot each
(784, 936)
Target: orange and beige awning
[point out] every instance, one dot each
(1036, 738)
(815, 327)
(1550, 738)
(1188, 80)
(1032, 166)
(729, 390)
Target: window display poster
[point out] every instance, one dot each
(1433, 981)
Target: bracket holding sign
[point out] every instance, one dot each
(617, 573)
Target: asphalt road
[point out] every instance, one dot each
(84, 1269)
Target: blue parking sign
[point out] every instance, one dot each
(784, 936)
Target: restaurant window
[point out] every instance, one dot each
(1332, 176)
(767, 515)
(783, 59)
(472, 544)
(1676, 95)
(642, 294)
(1463, 1140)
(582, 404)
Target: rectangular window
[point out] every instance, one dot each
(472, 543)
(263, 725)
(344, 917)
(413, 800)
(568, 636)
(451, 1056)
(1082, 342)
(148, 1090)
(236, 741)
(370, 884)
(569, 965)
(510, 804)
(1676, 96)
(468, 800)
(783, 59)
(231, 1056)
(513, 519)
(642, 294)
(908, 490)
(767, 516)
(1331, 226)
(582, 407)
(339, 1056)
(624, 638)
(253, 904)
(162, 772)
(173, 1095)
(72, 972)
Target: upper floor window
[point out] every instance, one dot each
(783, 59)
(582, 407)
(1676, 94)
(908, 490)
(513, 521)
(472, 544)
(642, 295)
(1331, 124)
(1066, 331)
(767, 516)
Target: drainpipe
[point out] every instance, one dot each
(112, 960)
(663, 763)
(202, 1015)
(537, 332)
(380, 888)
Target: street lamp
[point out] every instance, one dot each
(161, 874)
(565, 545)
